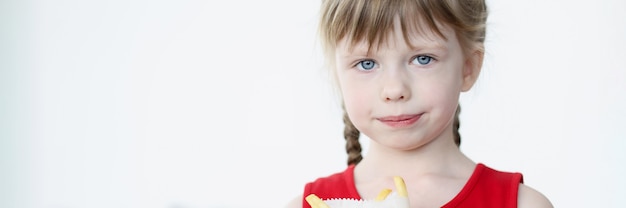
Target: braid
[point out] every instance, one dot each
(456, 124)
(351, 134)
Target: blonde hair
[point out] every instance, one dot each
(373, 20)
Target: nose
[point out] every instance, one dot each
(395, 85)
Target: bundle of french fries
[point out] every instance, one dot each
(385, 199)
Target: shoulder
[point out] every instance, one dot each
(526, 196)
(529, 197)
(334, 178)
(295, 202)
(339, 182)
(335, 185)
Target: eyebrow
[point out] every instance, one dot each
(415, 44)
(356, 50)
(433, 44)
(362, 50)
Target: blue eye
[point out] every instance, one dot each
(422, 60)
(366, 65)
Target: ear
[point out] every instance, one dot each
(471, 69)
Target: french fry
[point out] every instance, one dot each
(383, 194)
(315, 201)
(400, 186)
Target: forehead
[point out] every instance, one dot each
(413, 36)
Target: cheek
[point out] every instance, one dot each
(441, 90)
(356, 99)
(352, 93)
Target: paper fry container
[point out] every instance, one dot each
(392, 201)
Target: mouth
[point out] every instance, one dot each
(400, 121)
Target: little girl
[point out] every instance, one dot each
(400, 66)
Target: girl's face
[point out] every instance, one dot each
(401, 96)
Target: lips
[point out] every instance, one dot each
(400, 121)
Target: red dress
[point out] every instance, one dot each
(485, 188)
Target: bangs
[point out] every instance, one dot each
(372, 21)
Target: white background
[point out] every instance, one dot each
(176, 104)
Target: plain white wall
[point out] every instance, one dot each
(202, 104)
